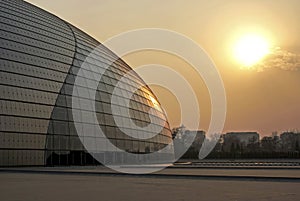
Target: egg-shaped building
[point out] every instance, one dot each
(40, 57)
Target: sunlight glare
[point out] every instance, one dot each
(250, 49)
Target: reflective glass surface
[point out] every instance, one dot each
(40, 56)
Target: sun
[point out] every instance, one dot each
(250, 49)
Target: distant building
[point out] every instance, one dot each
(243, 137)
(187, 141)
(239, 140)
(186, 137)
(199, 138)
(270, 144)
(290, 141)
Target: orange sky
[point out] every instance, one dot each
(266, 100)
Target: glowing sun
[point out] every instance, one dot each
(250, 49)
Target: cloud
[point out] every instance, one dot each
(281, 59)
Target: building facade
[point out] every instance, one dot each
(240, 140)
(187, 143)
(290, 141)
(40, 56)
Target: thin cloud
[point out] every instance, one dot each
(281, 59)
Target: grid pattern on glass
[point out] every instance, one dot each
(40, 56)
(36, 52)
(140, 104)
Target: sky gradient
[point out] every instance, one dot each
(264, 99)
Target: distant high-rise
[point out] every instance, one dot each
(290, 141)
(40, 56)
(239, 139)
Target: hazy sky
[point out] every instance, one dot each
(263, 99)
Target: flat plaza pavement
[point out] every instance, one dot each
(93, 183)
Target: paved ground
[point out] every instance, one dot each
(294, 173)
(54, 187)
(237, 172)
(176, 184)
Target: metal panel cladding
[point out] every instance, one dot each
(40, 55)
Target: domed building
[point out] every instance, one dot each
(40, 57)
